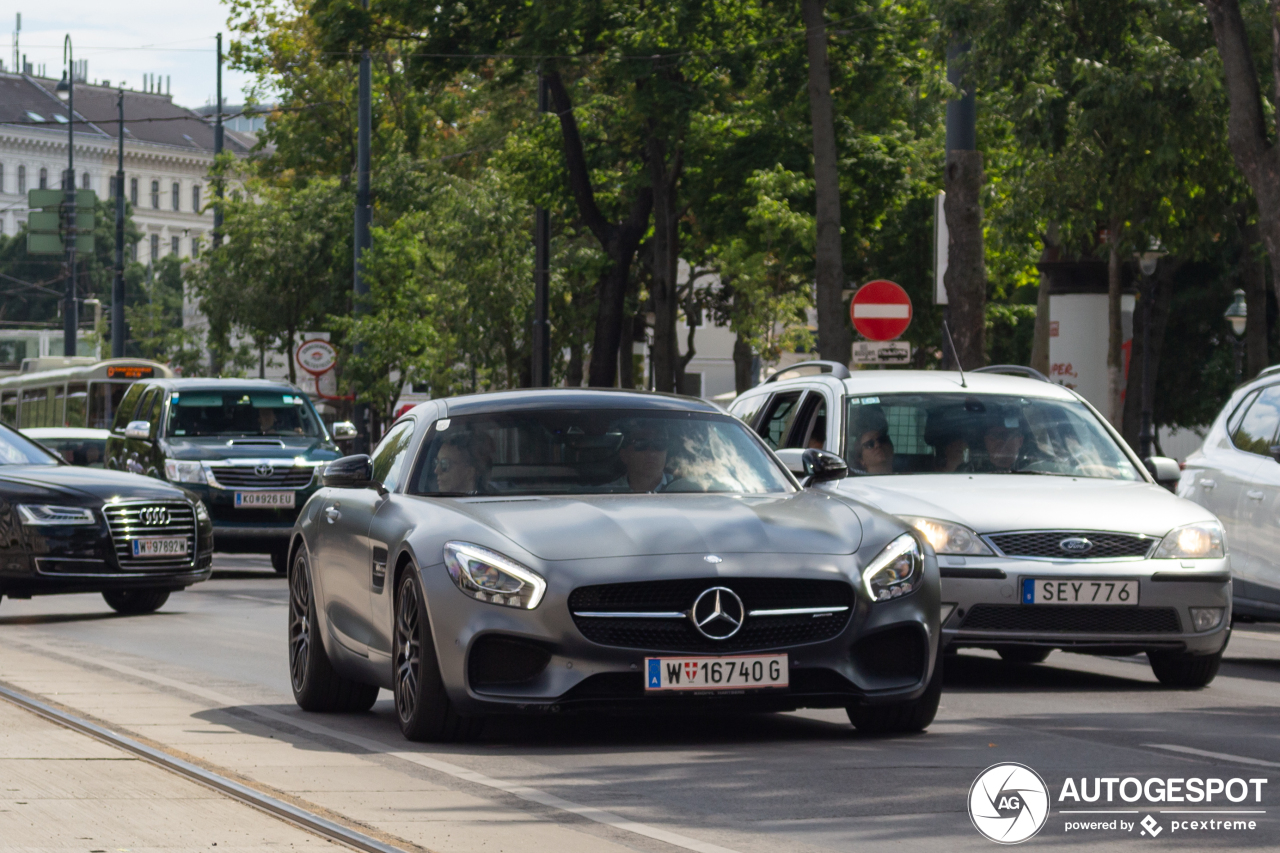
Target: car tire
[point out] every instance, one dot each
(316, 685)
(1024, 654)
(280, 561)
(1184, 671)
(132, 602)
(423, 707)
(914, 715)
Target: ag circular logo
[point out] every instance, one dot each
(1008, 803)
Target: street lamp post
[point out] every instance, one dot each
(117, 284)
(1237, 315)
(66, 91)
(1147, 262)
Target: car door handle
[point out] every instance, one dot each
(1255, 495)
(332, 515)
(1208, 484)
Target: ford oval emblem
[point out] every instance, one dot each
(712, 558)
(1076, 545)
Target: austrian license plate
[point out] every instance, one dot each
(157, 547)
(268, 500)
(723, 673)
(1079, 591)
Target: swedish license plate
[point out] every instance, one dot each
(723, 673)
(166, 547)
(1079, 591)
(267, 500)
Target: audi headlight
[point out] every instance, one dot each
(47, 515)
(202, 512)
(947, 537)
(1199, 541)
(895, 571)
(183, 472)
(489, 576)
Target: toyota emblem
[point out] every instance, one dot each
(718, 613)
(1076, 545)
(264, 469)
(153, 516)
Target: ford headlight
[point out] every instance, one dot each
(895, 571)
(46, 515)
(947, 537)
(1200, 541)
(489, 576)
(176, 471)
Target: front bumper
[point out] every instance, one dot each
(885, 652)
(249, 531)
(982, 605)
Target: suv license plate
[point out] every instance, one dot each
(727, 673)
(1079, 591)
(270, 500)
(167, 547)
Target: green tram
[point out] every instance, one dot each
(78, 396)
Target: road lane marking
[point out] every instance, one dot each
(1204, 753)
(524, 792)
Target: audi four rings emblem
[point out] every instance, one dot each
(153, 516)
(718, 613)
(264, 469)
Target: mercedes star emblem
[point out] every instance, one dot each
(718, 613)
(264, 469)
(153, 516)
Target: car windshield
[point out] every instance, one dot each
(17, 450)
(86, 452)
(595, 451)
(956, 433)
(234, 412)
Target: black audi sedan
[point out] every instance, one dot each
(70, 529)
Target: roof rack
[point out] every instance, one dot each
(810, 368)
(1015, 370)
(1268, 371)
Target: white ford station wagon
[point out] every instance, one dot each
(1050, 532)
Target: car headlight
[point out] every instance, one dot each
(489, 576)
(176, 471)
(947, 537)
(1199, 541)
(48, 515)
(202, 512)
(895, 571)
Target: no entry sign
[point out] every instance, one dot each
(881, 310)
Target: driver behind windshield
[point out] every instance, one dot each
(1002, 440)
(644, 454)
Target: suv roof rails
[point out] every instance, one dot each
(1015, 370)
(810, 368)
(1268, 371)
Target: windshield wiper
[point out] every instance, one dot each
(1045, 473)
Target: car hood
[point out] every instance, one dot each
(994, 502)
(600, 526)
(67, 482)
(216, 447)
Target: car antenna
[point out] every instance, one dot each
(947, 331)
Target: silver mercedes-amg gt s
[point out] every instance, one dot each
(556, 550)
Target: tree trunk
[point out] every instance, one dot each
(1115, 331)
(743, 360)
(966, 276)
(573, 375)
(833, 329)
(1040, 340)
(626, 361)
(1161, 296)
(1253, 279)
(664, 178)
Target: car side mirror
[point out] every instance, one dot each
(343, 430)
(1163, 469)
(822, 466)
(138, 429)
(1275, 452)
(793, 459)
(349, 472)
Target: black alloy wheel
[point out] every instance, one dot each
(423, 708)
(133, 602)
(317, 686)
(913, 715)
(1024, 654)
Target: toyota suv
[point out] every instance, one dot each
(250, 449)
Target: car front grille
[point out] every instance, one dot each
(1045, 544)
(758, 633)
(127, 523)
(247, 477)
(1071, 619)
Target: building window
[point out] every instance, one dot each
(195, 247)
(84, 181)
(133, 194)
(44, 178)
(133, 252)
(195, 194)
(175, 192)
(155, 195)
(22, 179)
(155, 247)
(174, 245)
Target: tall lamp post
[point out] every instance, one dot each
(1147, 262)
(66, 92)
(1237, 315)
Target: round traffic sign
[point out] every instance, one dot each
(880, 310)
(316, 356)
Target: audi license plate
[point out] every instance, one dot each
(268, 500)
(166, 547)
(1078, 591)
(727, 673)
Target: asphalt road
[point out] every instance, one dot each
(787, 782)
